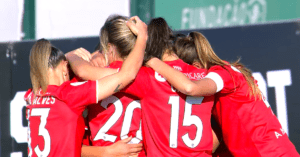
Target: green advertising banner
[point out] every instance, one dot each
(142, 8)
(192, 14)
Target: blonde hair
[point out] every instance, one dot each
(38, 59)
(208, 58)
(116, 32)
(42, 57)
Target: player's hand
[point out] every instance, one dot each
(151, 62)
(123, 149)
(98, 60)
(82, 53)
(139, 28)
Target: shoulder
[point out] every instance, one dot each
(177, 62)
(115, 65)
(229, 68)
(217, 67)
(227, 77)
(194, 73)
(143, 75)
(223, 71)
(145, 71)
(199, 70)
(73, 87)
(222, 76)
(28, 96)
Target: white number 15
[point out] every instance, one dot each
(188, 120)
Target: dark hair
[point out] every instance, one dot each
(160, 39)
(209, 58)
(177, 36)
(185, 49)
(55, 57)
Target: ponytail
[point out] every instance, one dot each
(38, 59)
(42, 57)
(208, 58)
(253, 90)
(206, 54)
(185, 50)
(160, 39)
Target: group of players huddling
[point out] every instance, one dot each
(147, 92)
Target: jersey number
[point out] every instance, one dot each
(188, 120)
(43, 113)
(102, 133)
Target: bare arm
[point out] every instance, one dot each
(114, 83)
(93, 151)
(203, 87)
(84, 69)
(118, 149)
(216, 141)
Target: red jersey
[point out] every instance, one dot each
(56, 125)
(173, 124)
(249, 126)
(115, 118)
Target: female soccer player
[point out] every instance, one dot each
(118, 116)
(55, 106)
(248, 124)
(185, 49)
(172, 124)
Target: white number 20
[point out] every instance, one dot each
(102, 133)
(43, 113)
(188, 120)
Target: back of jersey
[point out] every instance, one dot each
(175, 124)
(55, 126)
(115, 118)
(252, 119)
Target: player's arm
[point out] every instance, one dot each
(79, 62)
(120, 148)
(216, 141)
(203, 87)
(130, 67)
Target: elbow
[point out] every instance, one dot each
(128, 75)
(131, 77)
(189, 90)
(81, 73)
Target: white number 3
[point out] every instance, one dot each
(43, 112)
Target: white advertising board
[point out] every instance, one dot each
(75, 18)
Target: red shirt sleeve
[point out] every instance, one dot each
(78, 95)
(224, 77)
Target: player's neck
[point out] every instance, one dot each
(55, 78)
(118, 58)
(169, 56)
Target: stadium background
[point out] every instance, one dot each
(264, 33)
